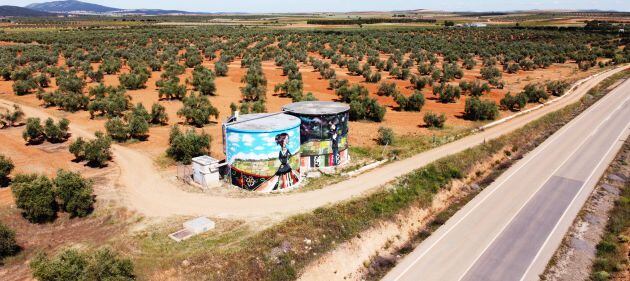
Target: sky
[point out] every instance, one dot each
(280, 6)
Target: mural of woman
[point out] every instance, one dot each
(285, 177)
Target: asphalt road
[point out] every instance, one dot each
(513, 227)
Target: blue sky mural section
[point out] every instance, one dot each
(259, 146)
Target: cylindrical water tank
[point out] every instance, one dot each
(263, 151)
(323, 133)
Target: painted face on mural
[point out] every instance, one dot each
(282, 140)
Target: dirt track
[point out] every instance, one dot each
(146, 191)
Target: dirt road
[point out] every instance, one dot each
(146, 191)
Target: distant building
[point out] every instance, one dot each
(475, 24)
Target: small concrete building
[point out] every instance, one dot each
(206, 171)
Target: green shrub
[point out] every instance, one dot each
(348, 94)
(96, 76)
(535, 93)
(96, 152)
(11, 118)
(34, 132)
(469, 63)
(433, 120)
(24, 87)
(514, 103)
(68, 101)
(42, 80)
(138, 126)
(387, 89)
(117, 129)
(557, 88)
(385, 136)
(109, 101)
(77, 149)
(477, 89)
(171, 89)
(366, 108)
(111, 65)
(253, 107)
(420, 82)
(255, 83)
(451, 71)
(102, 265)
(490, 72)
(600, 276)
(133, 81)
(184, 146)
(68, 82)
(56, 133)
(6, 166)
(477, 109)
(158, 114)
(34, 195)
(74, 193)
(447, 93)
(221, 68)
(197, 110)
(415, 102)
(203, 81)
(8, 245)
(292, 88)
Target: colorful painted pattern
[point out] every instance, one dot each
(321, 147)
(325, 160)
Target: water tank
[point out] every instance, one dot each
(263, 151)
(323, 133)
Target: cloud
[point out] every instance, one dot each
(248, 140)
(234, 137)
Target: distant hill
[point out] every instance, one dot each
(78, 7)
(15, 11)
(69, 6)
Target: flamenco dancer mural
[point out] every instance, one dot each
(264, 162)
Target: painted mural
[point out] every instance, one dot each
(324, 140)
(264, 162)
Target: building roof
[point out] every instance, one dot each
(205, 160)
(316, 108)
(263, 122)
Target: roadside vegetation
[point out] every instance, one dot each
(611, 260)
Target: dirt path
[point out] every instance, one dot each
(146, 191)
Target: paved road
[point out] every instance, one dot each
(512, 228)
(144, 190)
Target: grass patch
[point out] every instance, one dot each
(163, 161)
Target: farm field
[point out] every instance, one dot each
(228, 88)
(137, 87)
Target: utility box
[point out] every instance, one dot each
(206, 171)
(193, 227)
(199, 225)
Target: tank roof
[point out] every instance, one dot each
(316, 107)
(264, 122)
